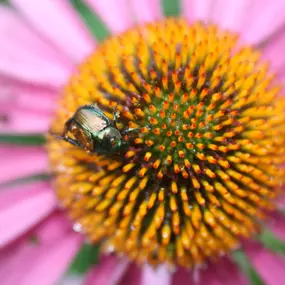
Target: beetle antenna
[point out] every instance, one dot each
(116, 114)
(67, 139)
(57, 136)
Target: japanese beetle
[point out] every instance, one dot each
(94, 131)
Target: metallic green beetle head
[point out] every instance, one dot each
(108, 141)
(93, 131)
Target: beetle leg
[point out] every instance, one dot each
(116, 115)
(73, 142)
(130, 130)
(67, 139)
(134, 130)
(67, 127)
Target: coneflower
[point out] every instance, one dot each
(193, 193)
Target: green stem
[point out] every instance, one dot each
(92, 21)
(86, 257)
(27, 179)
(171, 8)
(271, 241)
(245, 266)
(27, 139)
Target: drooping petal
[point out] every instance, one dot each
(52, 229)
(53, 262)
(71, 279)
(182, 276)
(25, 56)
(274, 52)
(145, 10)
(278, 226)
(262, 18)
(242, 16)
(270, 266)
(25, 108)
(282, 79)
(41, 263)
(10, 196)
(21, 162)
(132, 276)
(58, 23)
(109, 271)
(22, 214)
(115, 13)
(23, 122)
(220, 272)
(26, 97)
(195, 10)
(229, 14)
(156, 276)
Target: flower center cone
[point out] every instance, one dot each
(204, 168)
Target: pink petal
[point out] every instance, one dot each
(48, 231)
(230, 14)
(274, 52)
(10, 196)
(281, 200)
(25, 213)
(26, 97)
(41, 264)
(282, 80)
(107, 272)
(115, 13)
(21, 161)
(195, 10)
(145, 10)
(52, 262)
(270, 266)
(57, 21)
(221, 272)
(132, 276)
(151, 276)
(182, 276)
(25, 122)
(25, 56)
(278, 226)
(239, 15)
(53, 228)
(71, 279)
(25, 108)
(19, 120)
(262, 19)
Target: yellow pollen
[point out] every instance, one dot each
(202, 166)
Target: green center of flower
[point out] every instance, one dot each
(205, 166)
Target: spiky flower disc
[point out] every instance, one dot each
(205, 167)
